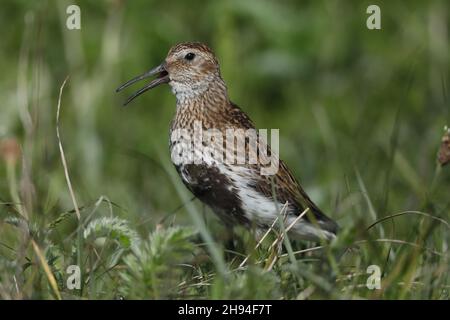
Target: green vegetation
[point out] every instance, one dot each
(361, 115)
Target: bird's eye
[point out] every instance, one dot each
(190, 56)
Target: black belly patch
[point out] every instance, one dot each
(214, 189)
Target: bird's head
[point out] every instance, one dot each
(189, 69)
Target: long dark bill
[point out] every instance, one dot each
(163, 77)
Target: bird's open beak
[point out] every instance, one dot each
(162, 77)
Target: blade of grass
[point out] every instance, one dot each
(372, 211)
(46, 267)
(61, 151)
(409, 212)
(67, 176)
(196, 218)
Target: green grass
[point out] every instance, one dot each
(360, 115)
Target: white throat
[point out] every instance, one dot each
(185, 92)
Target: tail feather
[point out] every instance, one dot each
(315, 228)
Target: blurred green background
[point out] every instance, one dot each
(361, 112)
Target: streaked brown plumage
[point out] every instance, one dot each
(237, 193)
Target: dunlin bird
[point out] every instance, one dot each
(237, 192)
